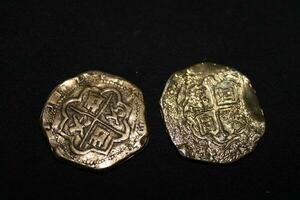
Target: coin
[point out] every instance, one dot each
(95, 120)
(212, 113)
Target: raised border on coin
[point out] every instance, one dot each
(95, 120)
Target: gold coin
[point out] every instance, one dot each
(212, 113)
(95, 120)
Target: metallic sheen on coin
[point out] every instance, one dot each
(95, 120)
(212, 113)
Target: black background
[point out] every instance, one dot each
(43, 44)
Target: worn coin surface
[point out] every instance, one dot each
(212, 113)
(95, 120)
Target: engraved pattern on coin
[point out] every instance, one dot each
(212, 113)
(95, 120)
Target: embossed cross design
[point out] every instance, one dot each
(103, 120)
(219, 100)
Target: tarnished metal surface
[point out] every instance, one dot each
(95, 120)
(212, 113)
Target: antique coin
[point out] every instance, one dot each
(95, 120)
(212, 113)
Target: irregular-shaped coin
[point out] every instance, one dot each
(95, 120)
(212, 113)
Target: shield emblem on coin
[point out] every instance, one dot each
(95, 120)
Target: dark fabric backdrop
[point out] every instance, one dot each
(43, 44)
